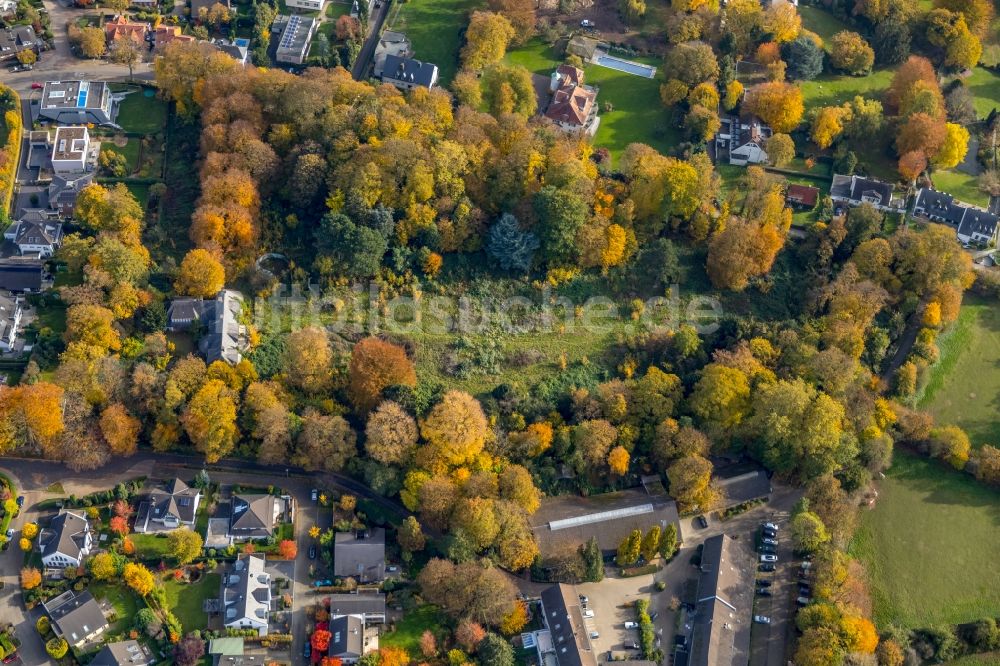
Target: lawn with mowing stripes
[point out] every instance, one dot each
(965, 383)
(930, 546)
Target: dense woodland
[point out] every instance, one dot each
(427, 191)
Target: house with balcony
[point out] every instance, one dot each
(573, 107)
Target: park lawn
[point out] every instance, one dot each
(929, 546)
(822, 22)
(122, 599)
(150, 546)
(409, 630)
(970, 348)
(962, 186)
(985, 88)
(141, 114)
(835, 89)
(638, 115)
(186, 600)
(435, 29)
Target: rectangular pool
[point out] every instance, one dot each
(645, 71)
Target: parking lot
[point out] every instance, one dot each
(607, 600)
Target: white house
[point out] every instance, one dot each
(167, 508)
(856, 190)
(35, 234)
(972, 224)
(71, 150)
(745, 142)
(246, 595)
(66, 541)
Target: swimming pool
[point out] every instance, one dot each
(645, 71)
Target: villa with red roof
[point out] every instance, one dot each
(574, 105)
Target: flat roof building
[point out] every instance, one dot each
(296, 36)
(78, 103)
(722, 619)
(70, 150)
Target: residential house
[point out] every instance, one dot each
(307, 5)
(21, 276)
(390, 43)
(237, 49)
(568, 639)
(72, 151)
(225, 337)
(124, 653)
(348, 639)
(145, 5)
(77, 618)
(255, 516)
(229, 651)
(972, 224)
(587, 48)
(164, 35)
(167, 508)
(360, 555)
(856, 190)
(35, 235)
(120, 28)
(802, 196)
(296, 33)
(742, 142)
(573, 107)
(18, 38)
(407, 73)
(741, 488)
(78, 103)
(722, 618)
(8, 7)
(10, 321)
(246, 595)
(64, 189)
(369, 606)
(66, 541)
(567, 521)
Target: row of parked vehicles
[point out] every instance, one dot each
(768, 559)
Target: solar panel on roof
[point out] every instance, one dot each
(592, 518)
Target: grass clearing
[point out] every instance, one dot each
(122, 599)
(335, 10)
(822, 22)
(141, 114)
(186, 600)
(971, 348)
(929, 546)
(150, 546)
(962, 186)
(834, 89)
(436, 29)
(638, 115)
(985, 88)
(409, 630)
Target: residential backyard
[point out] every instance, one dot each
(820, 21)
(971, 348)
(122, 599)
(187, 600)
(435, 29)
(936, 526)
(407, 632)
(985, 88)
(141, 112)
(962, 186)
(150, 546)
(638, 115)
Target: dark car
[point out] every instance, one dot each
(769, 534)
(20, 500)
(805, 590)
(631, 646)
(702, 522)
(307, 650)
(763, 592)
(767, 548)
(653, 616)
(11, 658)
(312, 552)
(764, 583)
(767, 567)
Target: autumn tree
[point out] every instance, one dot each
(92, 42)
(324, 442)
(125, 52)
(184, 545)
(468, 590)
(508, 89)
(515, 484)
(391, 434)
(520, 13)
(376, 365)
(651, 543)
(744, 21)
(629, 549)
(200, 275)
(828, 124)
(102, 566)
(308, 360)
(953, 148)
(119, 525)
(182, 66)
(287, 549)
(455, 429)
(690, 483)
(921, 133)
(916, 68)
(977, 13)
(120, 430)
(31, 578)
(743, 250)
(189, 650)
(912, 164)
(486, 39)
(90, 332)
(778, 104)
(849, 52)
(210, 420)
(139, 578)
(410, 536)
(780, 149)
(808, 532)
(691, 63)
(782, 21)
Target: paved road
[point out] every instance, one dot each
(364, 60)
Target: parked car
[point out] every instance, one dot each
(588, 614)
(11, 658)
(631, 625)
(767, 567)
(769, 526)
(769, 534)
(770, 541)
(587, 23)
(763, 582)
(312, 552)
(653, 616)
(761, 619)
(763, 592)
(767, 557)
(702, 521)
(37, 86)
(594, 634)
(767, 548)
(307, 650)
(10, 534)
(631, 646)
(802, 601)
(314, 495)
(584, 599)
(20, 500)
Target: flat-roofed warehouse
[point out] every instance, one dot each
(610, 517)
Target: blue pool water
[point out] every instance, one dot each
(626, 66)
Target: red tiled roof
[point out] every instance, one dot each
(802, 194)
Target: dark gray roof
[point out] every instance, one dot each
(123, 653)
(360, 554)
(976, 221)
(564, 618)
(347, 639)
(21, 275)
(573, 520)
(410, 71)
(183, 311)
(15, 39)
(75, 615)
(177, 498)
(744, 487)
(66, 534)
(225, 337)
(722, 618)
(63, 191)
(357, 604)
(253, 515)
(858, 189)
(939, 204)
